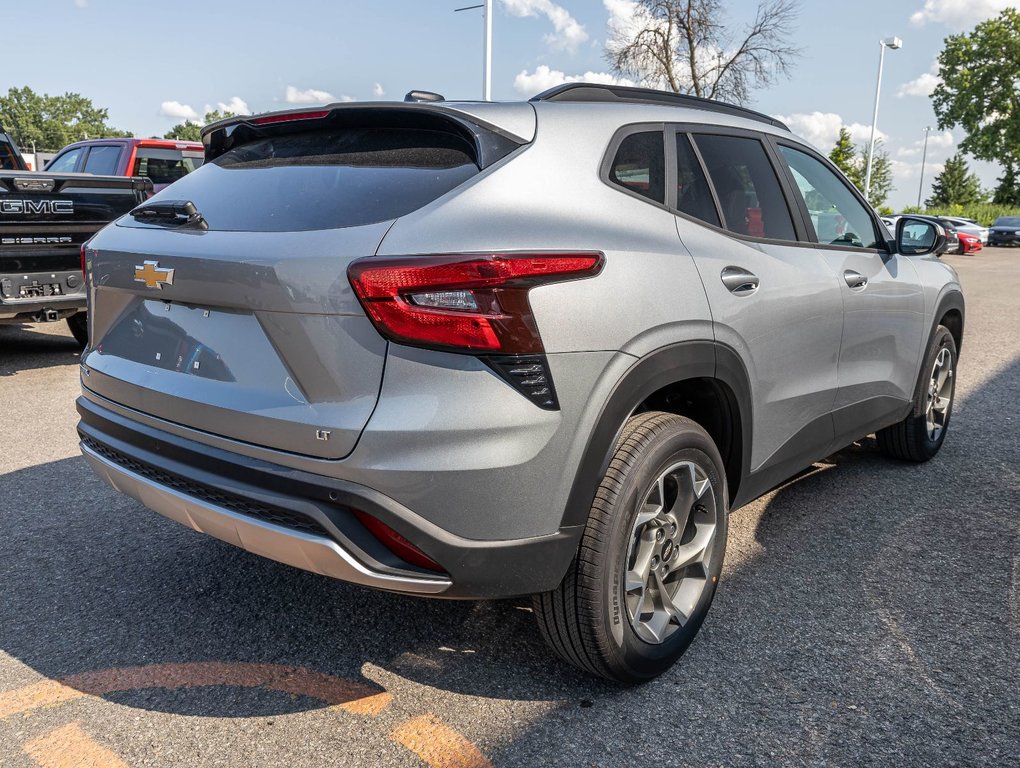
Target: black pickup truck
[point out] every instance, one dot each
(44, 220)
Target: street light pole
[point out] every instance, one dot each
(924, 156)
(486, 45)
(889, 42)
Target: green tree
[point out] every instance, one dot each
(853, 160)
(1008, 191)
(844, 154)
(979, 73)
(189, 131)
(48, 123)
(956, 185)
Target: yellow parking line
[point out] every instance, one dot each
(71, 747)
(45, 694)
(438, 745)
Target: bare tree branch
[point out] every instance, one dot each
(684, 45)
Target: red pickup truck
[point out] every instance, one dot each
(161, 160)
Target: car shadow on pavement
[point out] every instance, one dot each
(23, 349)
(868, 610)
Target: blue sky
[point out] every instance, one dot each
(154, 63)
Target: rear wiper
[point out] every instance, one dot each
(171, 213)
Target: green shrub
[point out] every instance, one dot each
(983, 213)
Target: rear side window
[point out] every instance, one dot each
(640, 165)
(693, 196)
(102, 161)
(326, 179)
(164, 166)
(749, 194)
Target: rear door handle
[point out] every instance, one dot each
(855, 280)
(739, 281)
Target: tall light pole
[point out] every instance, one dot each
(486, 46)
(924, 156)
(889, 42)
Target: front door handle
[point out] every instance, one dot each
(855, 280)
(739, 281)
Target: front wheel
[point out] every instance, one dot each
(919, 436)
(79, 325)
(646, 570)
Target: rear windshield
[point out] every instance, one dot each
(1007, 221)
(164, 166)
(326, 179)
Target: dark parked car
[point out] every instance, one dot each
(1005, 231)
(161, 160)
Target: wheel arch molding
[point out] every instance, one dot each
(714, 368)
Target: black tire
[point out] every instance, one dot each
(910, 439)
(585, 620)
(79, 325)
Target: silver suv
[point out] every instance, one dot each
(478, 350)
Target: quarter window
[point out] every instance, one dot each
(693, 196)
(640, 165)
(837, 216)
(749, 194)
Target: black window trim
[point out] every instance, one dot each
(879, 229)
(670, 171)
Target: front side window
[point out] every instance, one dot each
(102, 161)
(745, 182)
(640, 165)
(837, 216)
(65, 163)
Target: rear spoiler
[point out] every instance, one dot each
(489, 142)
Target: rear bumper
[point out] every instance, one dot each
(35, 296)
(307, 520)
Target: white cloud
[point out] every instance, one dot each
(543, 78)
(178, 111)
(822, 128)
(378, 91)
(237, 105)
(81, 3)
(568, 34)
(961, 14)
(922, 85)
(345, 98)
(936, 141)
(311, 96)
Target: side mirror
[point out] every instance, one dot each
(919, 237)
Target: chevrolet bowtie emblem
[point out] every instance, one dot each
(150, 273)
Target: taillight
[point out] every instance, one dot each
(466, 302)
(396, 543)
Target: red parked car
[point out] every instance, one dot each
(162, 160)
(969, 243)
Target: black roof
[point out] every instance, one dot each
(597, 92)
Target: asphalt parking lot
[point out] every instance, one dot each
(869, 614)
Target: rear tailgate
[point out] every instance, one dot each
(246, 327)
(44, 218)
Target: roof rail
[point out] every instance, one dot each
(598, 92)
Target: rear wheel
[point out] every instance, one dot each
(919, 436)
(79, 325)
(650, 557)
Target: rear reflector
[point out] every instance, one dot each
(396, 543)
(465, 302)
